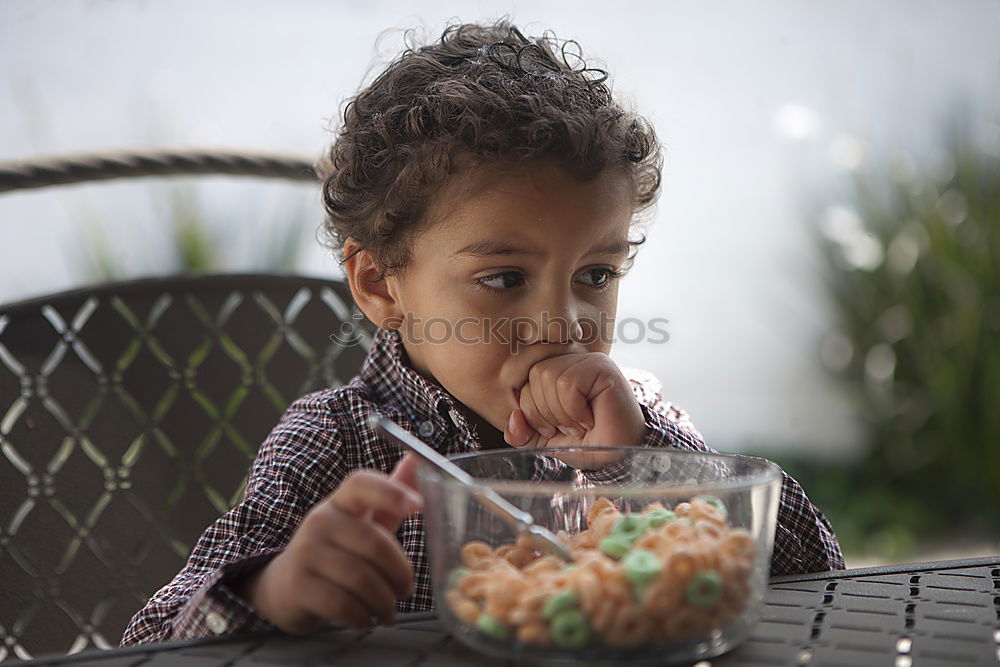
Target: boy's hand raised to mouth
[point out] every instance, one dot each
(576, 400)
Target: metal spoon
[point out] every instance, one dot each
(514, 517)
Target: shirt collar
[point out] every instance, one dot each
(387, 372)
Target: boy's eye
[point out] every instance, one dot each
(502, 280)
(600, 276)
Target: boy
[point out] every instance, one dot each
(481, 193)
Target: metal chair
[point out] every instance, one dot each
(129, 413)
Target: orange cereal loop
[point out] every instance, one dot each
(678, 530)
(497, 610)
(652, 506)
(584, 540)
(524, 541)
(662, 596)
(600, 506)
(543, 566)
(504, 549)
(474, 584)
(477, 555)
(617, 589)
(682, 509)
(602, 618)
(559, 581)
(604, 567)
(534, 633)
(588, 587)
(707, 530)
(703, 511)
(602, 525)
(520, 557)
(739, 544)
(735, 588)
(465, 609)
(708, 557)
(735, 569)
(651, 540)
(682, 564)
(502, 596)
(509, 570)
(630, 627)
(617, 585)
(505, 588)
(528, 608)
(589, 559)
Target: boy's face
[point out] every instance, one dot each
(503, 273)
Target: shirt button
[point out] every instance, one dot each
(453, 413)
(216, 623)
(426, 429)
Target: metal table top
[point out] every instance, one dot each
(942, 613)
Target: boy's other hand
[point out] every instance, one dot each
(344, 563)
(577, 400)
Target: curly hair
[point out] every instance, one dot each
(484, 93)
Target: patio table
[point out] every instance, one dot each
(911, 615)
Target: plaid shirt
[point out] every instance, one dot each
(325, 435)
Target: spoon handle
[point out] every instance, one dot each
(514, 517)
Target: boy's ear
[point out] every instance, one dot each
(369, 288)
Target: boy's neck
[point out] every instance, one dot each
(489, 437)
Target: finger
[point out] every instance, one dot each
(577, 382)
(532, 415)
(368, 540)
(518, 432)
(562, 391)
(406, 472)
(538, 380)
(365, 492)
(536, 440)
(324, 599)
(359, 577)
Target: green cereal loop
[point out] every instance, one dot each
(660, 516)
(641, 567)
(569, 629)
(630, 526)
(456, 575)
(492, 627)
(560, 602)
(704, 589)
(615, 546)
(716, 503)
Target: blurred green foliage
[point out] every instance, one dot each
(198, 243)
(912, 270)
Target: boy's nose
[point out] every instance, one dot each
(549, 328)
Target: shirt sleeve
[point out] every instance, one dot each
(296, 466)
(804, 540)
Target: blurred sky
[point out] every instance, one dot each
(763, 108)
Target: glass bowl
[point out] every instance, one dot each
(672, 551)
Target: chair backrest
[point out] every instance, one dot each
(128, 416)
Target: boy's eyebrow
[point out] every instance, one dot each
(490, 247)
(613, 248)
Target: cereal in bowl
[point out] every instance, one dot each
(654, 576)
